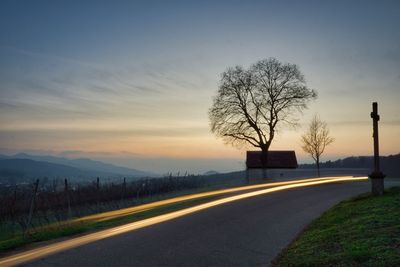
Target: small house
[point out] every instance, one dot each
(256, 168)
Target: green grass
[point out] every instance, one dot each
(9, 242)
(363, 231)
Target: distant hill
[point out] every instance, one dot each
(23, 170)
(390, 165)
(23, 167)
(84, 164)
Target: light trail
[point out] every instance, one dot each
(131, 210)
(79, 241)
(108, 215)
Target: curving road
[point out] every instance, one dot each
(247, 232)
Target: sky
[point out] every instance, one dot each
(131, 82)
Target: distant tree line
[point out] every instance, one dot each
(390, 165)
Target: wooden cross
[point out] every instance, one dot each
(375, 119)
(376, 176)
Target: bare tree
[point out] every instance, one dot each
(316, 139)
(251, 103)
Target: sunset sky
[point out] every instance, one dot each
(131, 82)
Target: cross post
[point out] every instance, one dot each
(377, 185)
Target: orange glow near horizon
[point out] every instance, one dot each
(190, 141)
(79, 241)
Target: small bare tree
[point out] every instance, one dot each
(316, 139)
(251, 103)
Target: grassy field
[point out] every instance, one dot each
(363, 231)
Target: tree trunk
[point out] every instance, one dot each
(319, 175)
(264, 161)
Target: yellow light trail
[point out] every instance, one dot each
(108, 215)
(131, 210)
(79, 241)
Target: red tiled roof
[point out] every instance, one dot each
(275, 160)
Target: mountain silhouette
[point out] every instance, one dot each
(86, 164)
(24, 167)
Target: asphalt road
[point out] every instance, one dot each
(248, 232)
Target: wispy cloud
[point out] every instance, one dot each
(52, 87)
(51, 57)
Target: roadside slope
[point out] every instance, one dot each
(363, 231)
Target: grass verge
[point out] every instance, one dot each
(363, 231)
(70, 229)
